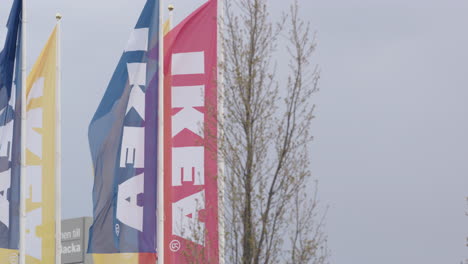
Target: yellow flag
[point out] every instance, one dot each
(40, 156)
(167, 27)
(8, 255)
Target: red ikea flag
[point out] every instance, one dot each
(190, 139)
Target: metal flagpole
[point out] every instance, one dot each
(58, 146)
(160, 175)
(171, 15)
(22, 243)
(221, 164)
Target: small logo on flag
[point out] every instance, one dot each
(174, 245)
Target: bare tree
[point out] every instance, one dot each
(272, 211)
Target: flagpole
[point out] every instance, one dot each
(58, 146)
(22, 243)
(221, 164)
(171, 16)
(160, 174)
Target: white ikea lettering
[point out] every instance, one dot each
(5, 183)
(138, 40)
(6, 7)
(34, 181)
(188, 97)
(6, 131)
(34, 116)
(188, 63)
(33, 241)
(6, 147)
(185, 222)
(133, 138)
(34, 218)
(13, 95)
(37, 90)
(136, 73)
(188, 162)
(137, 101)
(133, 147)
(3, 34)
(34, 142)
(34, 173)
(128, 211)
(5, 141)
(186, 159)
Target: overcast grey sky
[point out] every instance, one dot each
(391, 144)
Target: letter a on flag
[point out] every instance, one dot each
(123, 142)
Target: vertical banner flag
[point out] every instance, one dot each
(190, 137)
(41, 156)
(123, 143)
(10, 128)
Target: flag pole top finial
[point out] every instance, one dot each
(170, 7)
(58, 16)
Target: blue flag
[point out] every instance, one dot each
(10, 124)
(122, 139)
